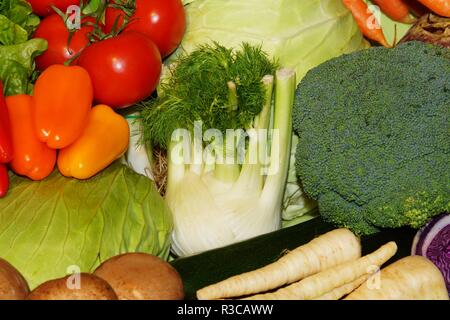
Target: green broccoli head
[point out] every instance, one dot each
(374, 136)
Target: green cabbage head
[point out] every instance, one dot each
(300, 33)
(61, 225)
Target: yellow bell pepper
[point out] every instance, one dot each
(104, 139)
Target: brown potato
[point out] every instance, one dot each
(141, 276)
(13, 285)
(85, 287)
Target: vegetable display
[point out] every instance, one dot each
(373, 127)
(62, 222)
(205, 149)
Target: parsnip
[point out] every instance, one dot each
(326, 251)
(411, 278)
(339, 292)
(326, 281)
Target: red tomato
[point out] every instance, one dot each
(43, 7)
(111, 14)
(124, 69)
(163, 21)
(53, 29)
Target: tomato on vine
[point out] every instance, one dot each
(124, 69)
(164, 22)
(44, 8)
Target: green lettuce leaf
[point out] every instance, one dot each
(20, 14)
(11, 33)
(55, 226)
(17, 65)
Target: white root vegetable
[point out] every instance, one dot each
(326, 251)
(326, 281)
(344, 290)
(410, 278)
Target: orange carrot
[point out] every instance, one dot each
(441, 7)
(366, 21)
(395, 9)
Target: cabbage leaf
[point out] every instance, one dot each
(48, 227)
(301, 34)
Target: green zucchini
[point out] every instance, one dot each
(215, 265)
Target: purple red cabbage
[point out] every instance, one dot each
(433, 242)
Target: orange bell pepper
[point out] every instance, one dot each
(32, 157)
(62, 97)
(104, 140)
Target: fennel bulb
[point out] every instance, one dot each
(215, 207)
(228, 143)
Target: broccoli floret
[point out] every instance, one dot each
(374, 136)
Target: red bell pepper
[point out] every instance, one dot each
(6, 146)
(4, 180)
